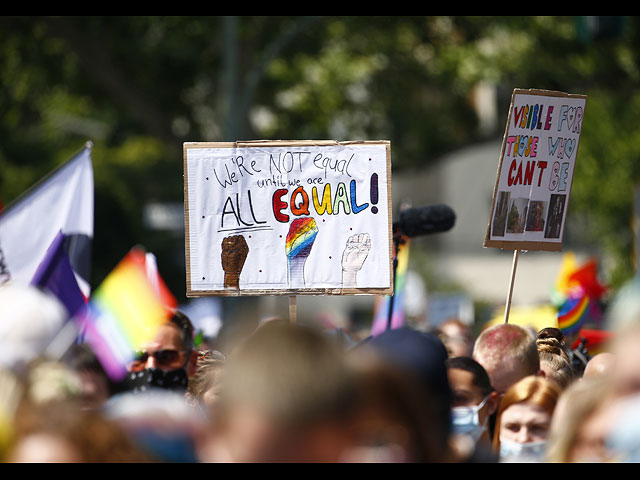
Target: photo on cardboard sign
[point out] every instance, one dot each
(517, 215)
(554, 220)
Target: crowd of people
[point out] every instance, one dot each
(292, 393)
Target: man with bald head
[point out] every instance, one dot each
(508, 353)
(600, 364)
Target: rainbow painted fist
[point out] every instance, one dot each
(302, 234)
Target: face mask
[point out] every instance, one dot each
(511, 451)
(143, 380)
(466, 420)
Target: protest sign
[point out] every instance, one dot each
(535, 171)
(288, 218)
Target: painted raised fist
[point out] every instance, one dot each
(234, 254)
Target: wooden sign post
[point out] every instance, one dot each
(288, 218)
(535, 173)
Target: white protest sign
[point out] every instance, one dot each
(535, 172)
(288, 218)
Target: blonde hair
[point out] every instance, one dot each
(210, 364)
(532, 389)
(552, 354)
(577, 403)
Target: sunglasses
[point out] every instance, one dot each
(163, 358)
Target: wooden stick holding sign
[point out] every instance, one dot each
(293, 309)
(535, 173)
(514, 265)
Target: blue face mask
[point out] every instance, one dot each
(466, 420)
(511, 451)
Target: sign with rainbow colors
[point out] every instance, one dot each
(535, 171)
(288, 218)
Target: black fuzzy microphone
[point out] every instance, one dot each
(418, 221)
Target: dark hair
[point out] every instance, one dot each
(480, 376)
(185, 326)
(551, 332)
(80, 357)
(421, 355)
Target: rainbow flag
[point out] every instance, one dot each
(125, 312)
(381, 306)
(573, 313)
(576, 294)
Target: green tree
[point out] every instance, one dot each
(139, 86)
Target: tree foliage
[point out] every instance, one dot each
(140, 86)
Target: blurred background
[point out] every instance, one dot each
(438, 88)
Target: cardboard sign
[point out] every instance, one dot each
(288, 218)
(535, 172)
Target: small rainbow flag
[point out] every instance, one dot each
(573, 312)
(381, 306)
(125, 312)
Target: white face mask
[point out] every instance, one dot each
(466, 420)
(511, 451)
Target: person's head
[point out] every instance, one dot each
(524, 417)
(29, 321)
(285, 396)
(167, 361)
(204, 386)
(600, 364)
(625, 346)
(62, 432)
(161, 423)
(508, 353)
(579, 425)
(457, 337)
(553, 332)
(422, 355)
(554, 362)
(96, 386)
(474, 399)
(394, 418)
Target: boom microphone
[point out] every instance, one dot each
(425, 220)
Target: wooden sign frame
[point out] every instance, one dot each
(292, 292)
(547, 245)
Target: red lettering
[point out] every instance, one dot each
(518, 179)
(541, 166)
(511, 169)
(547, 124)
(517, 115)
(279, 205)
(303, 208)
(528, 174)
